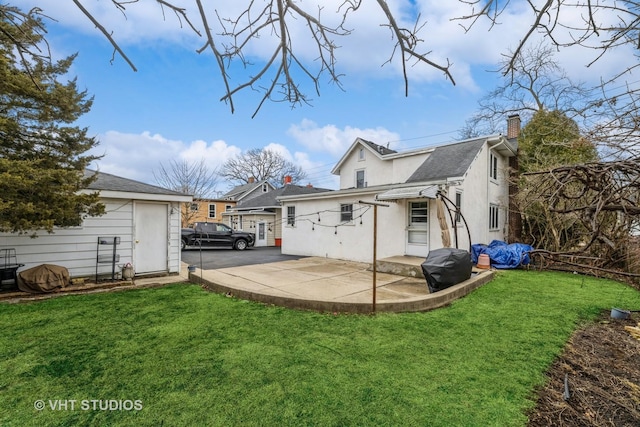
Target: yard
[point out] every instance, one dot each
(181, 356)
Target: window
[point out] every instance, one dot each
(418, 213)
(494, 215)
(360, 179)
(212, 211)
(291, 216)
(227, 208)
(265, 188)
(458, 207)
(361, 154)
(493, 166)
(346, 213)
(194, 207)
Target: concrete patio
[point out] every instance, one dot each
(330, 285)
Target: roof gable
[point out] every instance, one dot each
(376, 149)
(241, 191)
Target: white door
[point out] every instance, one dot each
(151, 241)
(261, 233)
(418, 228)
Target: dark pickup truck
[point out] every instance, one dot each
(216, 235)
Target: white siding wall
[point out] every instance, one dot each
(404, 167)
(479, 191)
(353, 241)
(76, 248)
(377, 171)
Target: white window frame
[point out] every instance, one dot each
(361, 154)
(291, 216)
(493, 166)
(458, 203)
(212, 205)
(346, 212)
(194, 207)
(494, 217)
(364, 178)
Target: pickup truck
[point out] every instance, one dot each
(216, 235)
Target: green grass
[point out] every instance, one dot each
(196, 358)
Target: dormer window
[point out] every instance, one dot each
(361, 154)
(264, 188)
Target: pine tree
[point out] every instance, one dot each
(552, 139)
(42, 155)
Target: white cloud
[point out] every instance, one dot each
(136, 156)
(333, 140)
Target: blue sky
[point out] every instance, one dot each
(170, 108)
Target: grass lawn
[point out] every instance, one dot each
(190, 357)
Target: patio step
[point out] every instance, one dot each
(408, 266)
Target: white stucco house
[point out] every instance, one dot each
(337, 224)
(144, 221)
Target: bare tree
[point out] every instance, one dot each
(536, 83)
(261, 164)
(601, 27)
(586, 215)
(280, 78)
(194, 178)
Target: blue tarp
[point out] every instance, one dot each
(503, 255)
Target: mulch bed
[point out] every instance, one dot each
(601, 364)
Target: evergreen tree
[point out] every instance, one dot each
(552, 139)
(42, 160)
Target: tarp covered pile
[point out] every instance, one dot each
(503, 255)
(43, 278)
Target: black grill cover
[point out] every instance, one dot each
(446, 267)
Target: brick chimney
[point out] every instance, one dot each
(513, 126)
(309, 185)
(252, 180)
(287, 179)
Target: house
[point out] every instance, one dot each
(262, 215)
(141, 226)
(249, 190)
(471, 174)
(203, 210)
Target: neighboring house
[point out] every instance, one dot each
(249, 190)
(207, 210)
(262, 215)
(472, 174)
(143, 219)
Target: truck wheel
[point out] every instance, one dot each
(240, 245)
(183, 244)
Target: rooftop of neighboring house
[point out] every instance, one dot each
(241, 191)
(270, 199)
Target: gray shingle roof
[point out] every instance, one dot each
(108, 182)
(270, 199)
(448, 161)
(378, 148)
